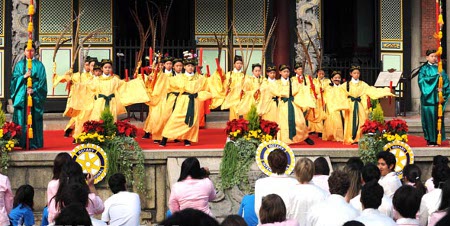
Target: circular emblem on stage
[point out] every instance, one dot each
(92, 159)
(263, 151)
(403, 155)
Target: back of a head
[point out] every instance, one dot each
(339, 183)
(353, 223)
(445, 195)
(371, 195)
(191, 167)
(370, 172)
(74, 214)
(354, 172)
(71, 172)
(407, 201)
(60, 160)
(25, 196)
(321, 166)
(439, 159)
(388, 157)
(233, 220)
(355, 162)
(272, 209)
(190, 217)
(278, 161)
(440, 173)
(117, 183)
(413, 174)
(75, 193)
(304, 170)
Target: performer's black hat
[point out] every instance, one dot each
(284, 66)
(176, 60)
(270, 67)
(256, 65)
(354, 67)
(97, 66)
(192, 61)
(430, 51)
(92, 59)
(106, 61)
(237, 58)
(167, 58)
(335, 73)
(297, 65)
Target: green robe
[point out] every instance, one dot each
(19, 98)
(429, 100)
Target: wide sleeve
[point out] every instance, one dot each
(39, 84)
(62, 78)
(445, 88)
(335, 99)
(9, 197)
(83, 95)
(376, 93)
(217, 90)
(428, 80)
(18, 85)
(303, 98)
(132, 92)
(174, 204)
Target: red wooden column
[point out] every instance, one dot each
(281, 34)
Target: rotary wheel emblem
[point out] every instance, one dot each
(403, 155)
(263, 151)
(92, 159)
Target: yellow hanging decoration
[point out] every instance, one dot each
(438, 36)
(29, 82)
(30, 120)
(440, 20)
(440, 67)
(439, 124)
(30, 27)
(439, 51)
(30, 101)
(31, 10)
(30, 133)
(30, 44)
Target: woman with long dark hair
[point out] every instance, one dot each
(194, 189)
(412, 176)
(60, 160)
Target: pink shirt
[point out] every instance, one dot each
(192, 193)
(284, 223)
(6, 199)
(52, 188)
(95, 206)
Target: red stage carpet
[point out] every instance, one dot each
(208, 139)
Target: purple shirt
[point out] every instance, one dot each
(192, 193)
(284, 223)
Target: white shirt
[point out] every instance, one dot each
(271, 80)
(390, 184)
(385, 208)
(123, 208)
(189, 74)
(237, 71)
(275, 184)
(408, 222)
(430, 185)
(284, 80)
(355, 80)
(430, 203)
(373, 217)
(333, 211)
(322, 182)
(105, 76)
(302, 198)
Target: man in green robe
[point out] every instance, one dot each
(429, 99)
(19, 96)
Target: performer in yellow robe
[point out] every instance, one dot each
(251, 90)
(71, 79)
(267, 106)
(306, 82)
(335, 104)
(233, 84)
(108, 91)
(357, 93)
(292, 124)
(316, 118)
(183, 122)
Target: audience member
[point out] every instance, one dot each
(334, 210)
(123, 207)
(194, 189)
(60, 160)
(44, 220)
(273, 212)
(247, 210)
(443, 207)
(6, 199)
(304, 194)
(406, 202)
(22, 214)
(389, 180)
(353, 223)
(371, 172)
(321, 173)
(190, 217)
(371, 195)
(432, 200)
(278, 182)
(353, 169)
(73, 214)
(438, 159)
(412, 176)
(233, 220)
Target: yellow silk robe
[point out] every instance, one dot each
(357, 101)
(234, 82)
(318, 115)
(267, 106)
(176, 127)
(251, 94)
(335, 104)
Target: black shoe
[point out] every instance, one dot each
(319, 135)
(187, 143)
(309, 141)
(156, 141)
(163, 142)
(68, 132)
(176, 141)
(146, 136)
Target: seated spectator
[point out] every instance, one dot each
(273, 212)
(321, 173)
(334, 210)
(22, 214)
(412, 176)
(233, 220)
(44, 220)
(6, 201)
(60, 160)
(443, 207)
(190, 217)
(407, 203)
(445, 221)
(353, 169)
(389, 179)
(371, 195)
(123, 207)
(247, 210)
(304, 194)
(371, 172)
(353, 223)
(278, 182)
(438, 159)
(432, 200)
(73, 214)
(193, 190)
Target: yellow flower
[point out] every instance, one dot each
(9, 149)
(1, 133)
(7, 145)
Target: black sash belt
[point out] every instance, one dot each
(189, 120)
(355, 115)
(291, 116)
(107, 98)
